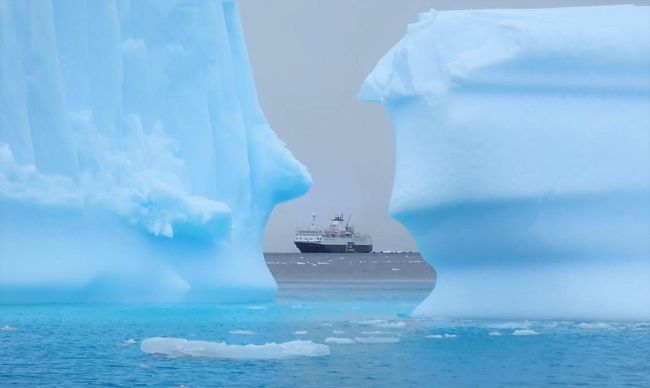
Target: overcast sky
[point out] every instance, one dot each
(309, 58)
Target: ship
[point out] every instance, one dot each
(338, 237)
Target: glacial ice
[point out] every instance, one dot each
(135, 161)
(179, 347)
(523, 159)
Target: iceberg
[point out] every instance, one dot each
(523, 159)
(135, 161)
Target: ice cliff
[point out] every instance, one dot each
(523, 159)
(135, 161)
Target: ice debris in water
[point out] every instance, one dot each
(177, 347)
(524, 332)
(434, 336)
(7, 328)
(128, 342)
(595, 326)
(494, 333)
(377, 340)
(509, 325)
(300, 332)
(339, 340)
(254, 307)
(382, 324)
(241, 332)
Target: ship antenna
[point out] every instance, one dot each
(313, 218)
(347, 223)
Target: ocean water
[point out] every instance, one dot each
(364, 319)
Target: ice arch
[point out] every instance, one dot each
(523, 159)
(135, 161)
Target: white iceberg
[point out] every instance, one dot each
(522, 159)
(135, 161)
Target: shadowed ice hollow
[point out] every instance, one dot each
(523, 159)
(135, 161)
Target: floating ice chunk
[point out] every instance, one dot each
(256, 307)
(434, 336)
(382, 324)
(395, 269)
(128, 342)
(494, 333)
(524, 332)
(241, 332)
(339, 340)
(375, 332)
(377, 340)
(391, 325)
(450, 335)
(300, 332)
(7, 328)
(595, 326)
(144, 365)
(510, 325)
(176, 347)
(338, 332)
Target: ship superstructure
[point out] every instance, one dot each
(338, 237)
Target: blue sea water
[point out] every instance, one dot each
(99, 345)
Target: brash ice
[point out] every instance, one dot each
(135, 161)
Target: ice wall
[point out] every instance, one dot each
(523, 159)
(135, 161)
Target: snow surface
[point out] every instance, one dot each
(178, 347)
(135, 161)
(523, 159)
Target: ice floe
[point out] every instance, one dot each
(339, 340)
(377, 340)
(524, 332)
(177, 347)
(241, 332)
(595, 326)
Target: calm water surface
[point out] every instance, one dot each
(98, 345)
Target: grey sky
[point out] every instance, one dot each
(309, 58)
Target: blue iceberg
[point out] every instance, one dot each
(135, 161)
(523, 159)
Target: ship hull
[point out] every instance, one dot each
(306, 247)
